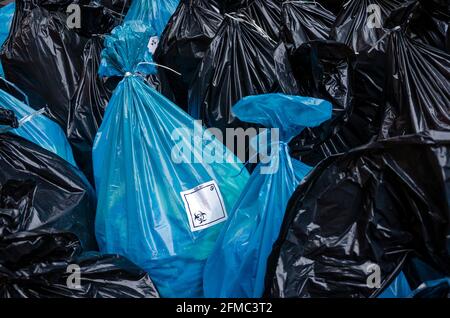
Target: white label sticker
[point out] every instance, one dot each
(153, 44)
(204, 206)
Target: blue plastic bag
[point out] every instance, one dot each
(237, 266)
(155, 13)
(399, 288)
(36, 127)
(439, 288)
(6, 16)
(157, 205)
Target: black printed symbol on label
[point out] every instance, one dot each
(211, 188)
(200, 217)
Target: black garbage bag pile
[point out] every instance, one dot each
(303, 22)
(89, 100)
(417, 87)
(182, 46)
(265, 13)
(324, 69)
(242, 60)
(47, 212)
(42, 191)
(374, 206)
(56, 66)
(366, 35)
(427, 22)
(382, 207)
(39, 264)
(376, 203)
(358, 79)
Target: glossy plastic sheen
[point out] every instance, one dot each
(183, 45)
(6, 16)
(378, 205)
(141, 213)
(37, 264)
(237, 266)
(39, 129)
(242, 60)
(56, 66)
(265, 13)
(41, 191)
(303, 22)
(153, 13)
(417, 88)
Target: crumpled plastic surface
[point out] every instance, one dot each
(426, 21)
(417, 87)
(141, 213)
(56, 67)
(433, 289)
(324, 69)
(36, 265)
(265, 13)
(375, 206)
(241, 61)
(89, 100)
(357, 28)
(37, 128)
(87, 106)
(356, 85)
(43, 57)
(399, 288)
(6, 16)
(41, 191)
(183, 44)
(8, 118)
(154, 14)
(237, 266)
(304, 21)
(334, 6)
(353, 81)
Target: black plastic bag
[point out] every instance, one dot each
(12, 90)
(43, 57)
(265, 13)
(334, 6)
(8, 118)
(37, 265)
(87, 107)
(93, 93)
(242, 60)
(303, 22)
(426, 21)
(324, 69)
(375, 206)
(57, 66)
(41, 191)
(417, 87)
(183, 44)
(364, 32)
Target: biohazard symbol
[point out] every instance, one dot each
(200, 217)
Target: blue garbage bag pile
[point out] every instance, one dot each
(224, 149)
